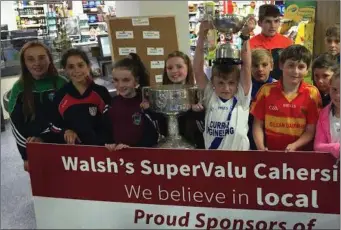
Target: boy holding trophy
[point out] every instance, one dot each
(227, 94)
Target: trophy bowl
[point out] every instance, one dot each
(229, 23)
(172, 101)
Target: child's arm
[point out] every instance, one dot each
(258, 134)
(106, 125)
(321, 142)
(258, 112)
(245, 73)
(304, 139)
(313, 109)
(198, 61)
(150, 133)
(58, 132)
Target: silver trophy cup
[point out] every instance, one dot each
(228, 24)
(172, 101)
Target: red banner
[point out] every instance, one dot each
(301, 182)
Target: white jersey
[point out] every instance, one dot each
(226, 129)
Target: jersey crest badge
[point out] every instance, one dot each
(136, 118)
(51, 96)
(93, 111)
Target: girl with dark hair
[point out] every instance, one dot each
(178, 70)
(31, 96)
(130, 125)
(327, 137)
(81, 106)
(142, 72)
(322, 72)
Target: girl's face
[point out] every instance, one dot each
(261, 71)
(77, 69)
(322, 79)
(335, 92)
(37, 61)
(124, 82)
(176, 70)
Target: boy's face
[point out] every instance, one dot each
(322, 78)
(225, 88)
(269, 26)
(261, 70)
(333, 45)
(293, 72)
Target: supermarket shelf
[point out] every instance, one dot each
(87, 33)
(25, 7)
(97, 23)
(84, 43)
(33, 25)
(32, 16)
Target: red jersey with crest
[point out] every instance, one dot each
(86, 114)
(285, 118)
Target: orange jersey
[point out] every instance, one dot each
(269, 43)
(285, 119)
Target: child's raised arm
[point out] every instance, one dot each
(198, 61)
(245, 73)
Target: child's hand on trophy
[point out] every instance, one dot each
(249, 26)
(198, 107)
(205, 26)
(145, 105)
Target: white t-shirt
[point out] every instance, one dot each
(232, 133)
(334, 128)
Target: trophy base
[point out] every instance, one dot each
(174, 143)
(227, 61)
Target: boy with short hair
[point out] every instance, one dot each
(227, 95)
(286, 112)
(322, 71)
(269, 20)
(269, 38)
(332, 41)
(262, 65)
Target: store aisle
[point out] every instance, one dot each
(16, 197)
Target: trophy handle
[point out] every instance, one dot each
(145, 93)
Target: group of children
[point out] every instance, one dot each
(243, 107)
